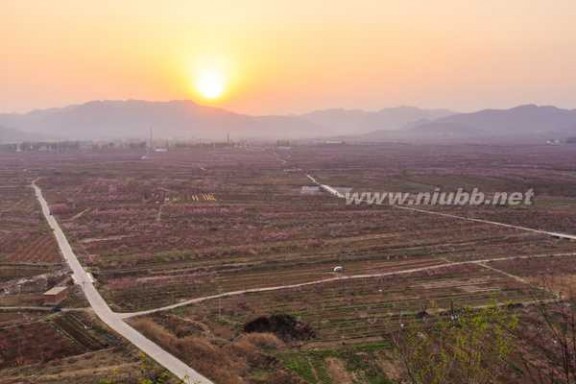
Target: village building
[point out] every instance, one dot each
(55, 295)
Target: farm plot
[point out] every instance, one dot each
(64, 348)
(347, 323)
(16, 271)
(111, 364)
(18, 350)
(61, 348)
(24, 237)
(41, 249)
(550, 173)
(10, 318)
(348, 310)
(28, 252)
(147, 287)
(557, 273)
(150, 244)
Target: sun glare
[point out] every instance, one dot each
(210, 84)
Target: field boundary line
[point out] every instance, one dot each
(567, 236)
(127, 315)
(520, 280)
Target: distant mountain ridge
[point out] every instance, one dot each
(188, 120)
(10, 135)
(523, 123)
(125, 119)
(389, 119)
(133, 119)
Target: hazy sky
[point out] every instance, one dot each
(290, 56)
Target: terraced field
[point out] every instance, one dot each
(56, 337)
(355, 310)
(73, 347)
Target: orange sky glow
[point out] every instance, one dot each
(289, 56)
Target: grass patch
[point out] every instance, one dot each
(361, 361)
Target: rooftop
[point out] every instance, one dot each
(55, 291)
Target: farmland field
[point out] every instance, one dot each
(227, 236)
(61, 348)
(37, 346)
(353, 310)
(29, 258)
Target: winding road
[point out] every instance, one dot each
(480, 262)
(103, 311)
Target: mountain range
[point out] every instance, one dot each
(10, 135)
(133, 119)
(188, 120)
(526, 123)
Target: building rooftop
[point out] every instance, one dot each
(55, 291)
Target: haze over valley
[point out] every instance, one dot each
(186, 120)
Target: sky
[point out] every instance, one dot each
(276, 56)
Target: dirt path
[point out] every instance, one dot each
(198, 300)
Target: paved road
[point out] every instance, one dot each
(101, 308)
(540, 231)
(326, 188)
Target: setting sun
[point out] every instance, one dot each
(210, 84)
